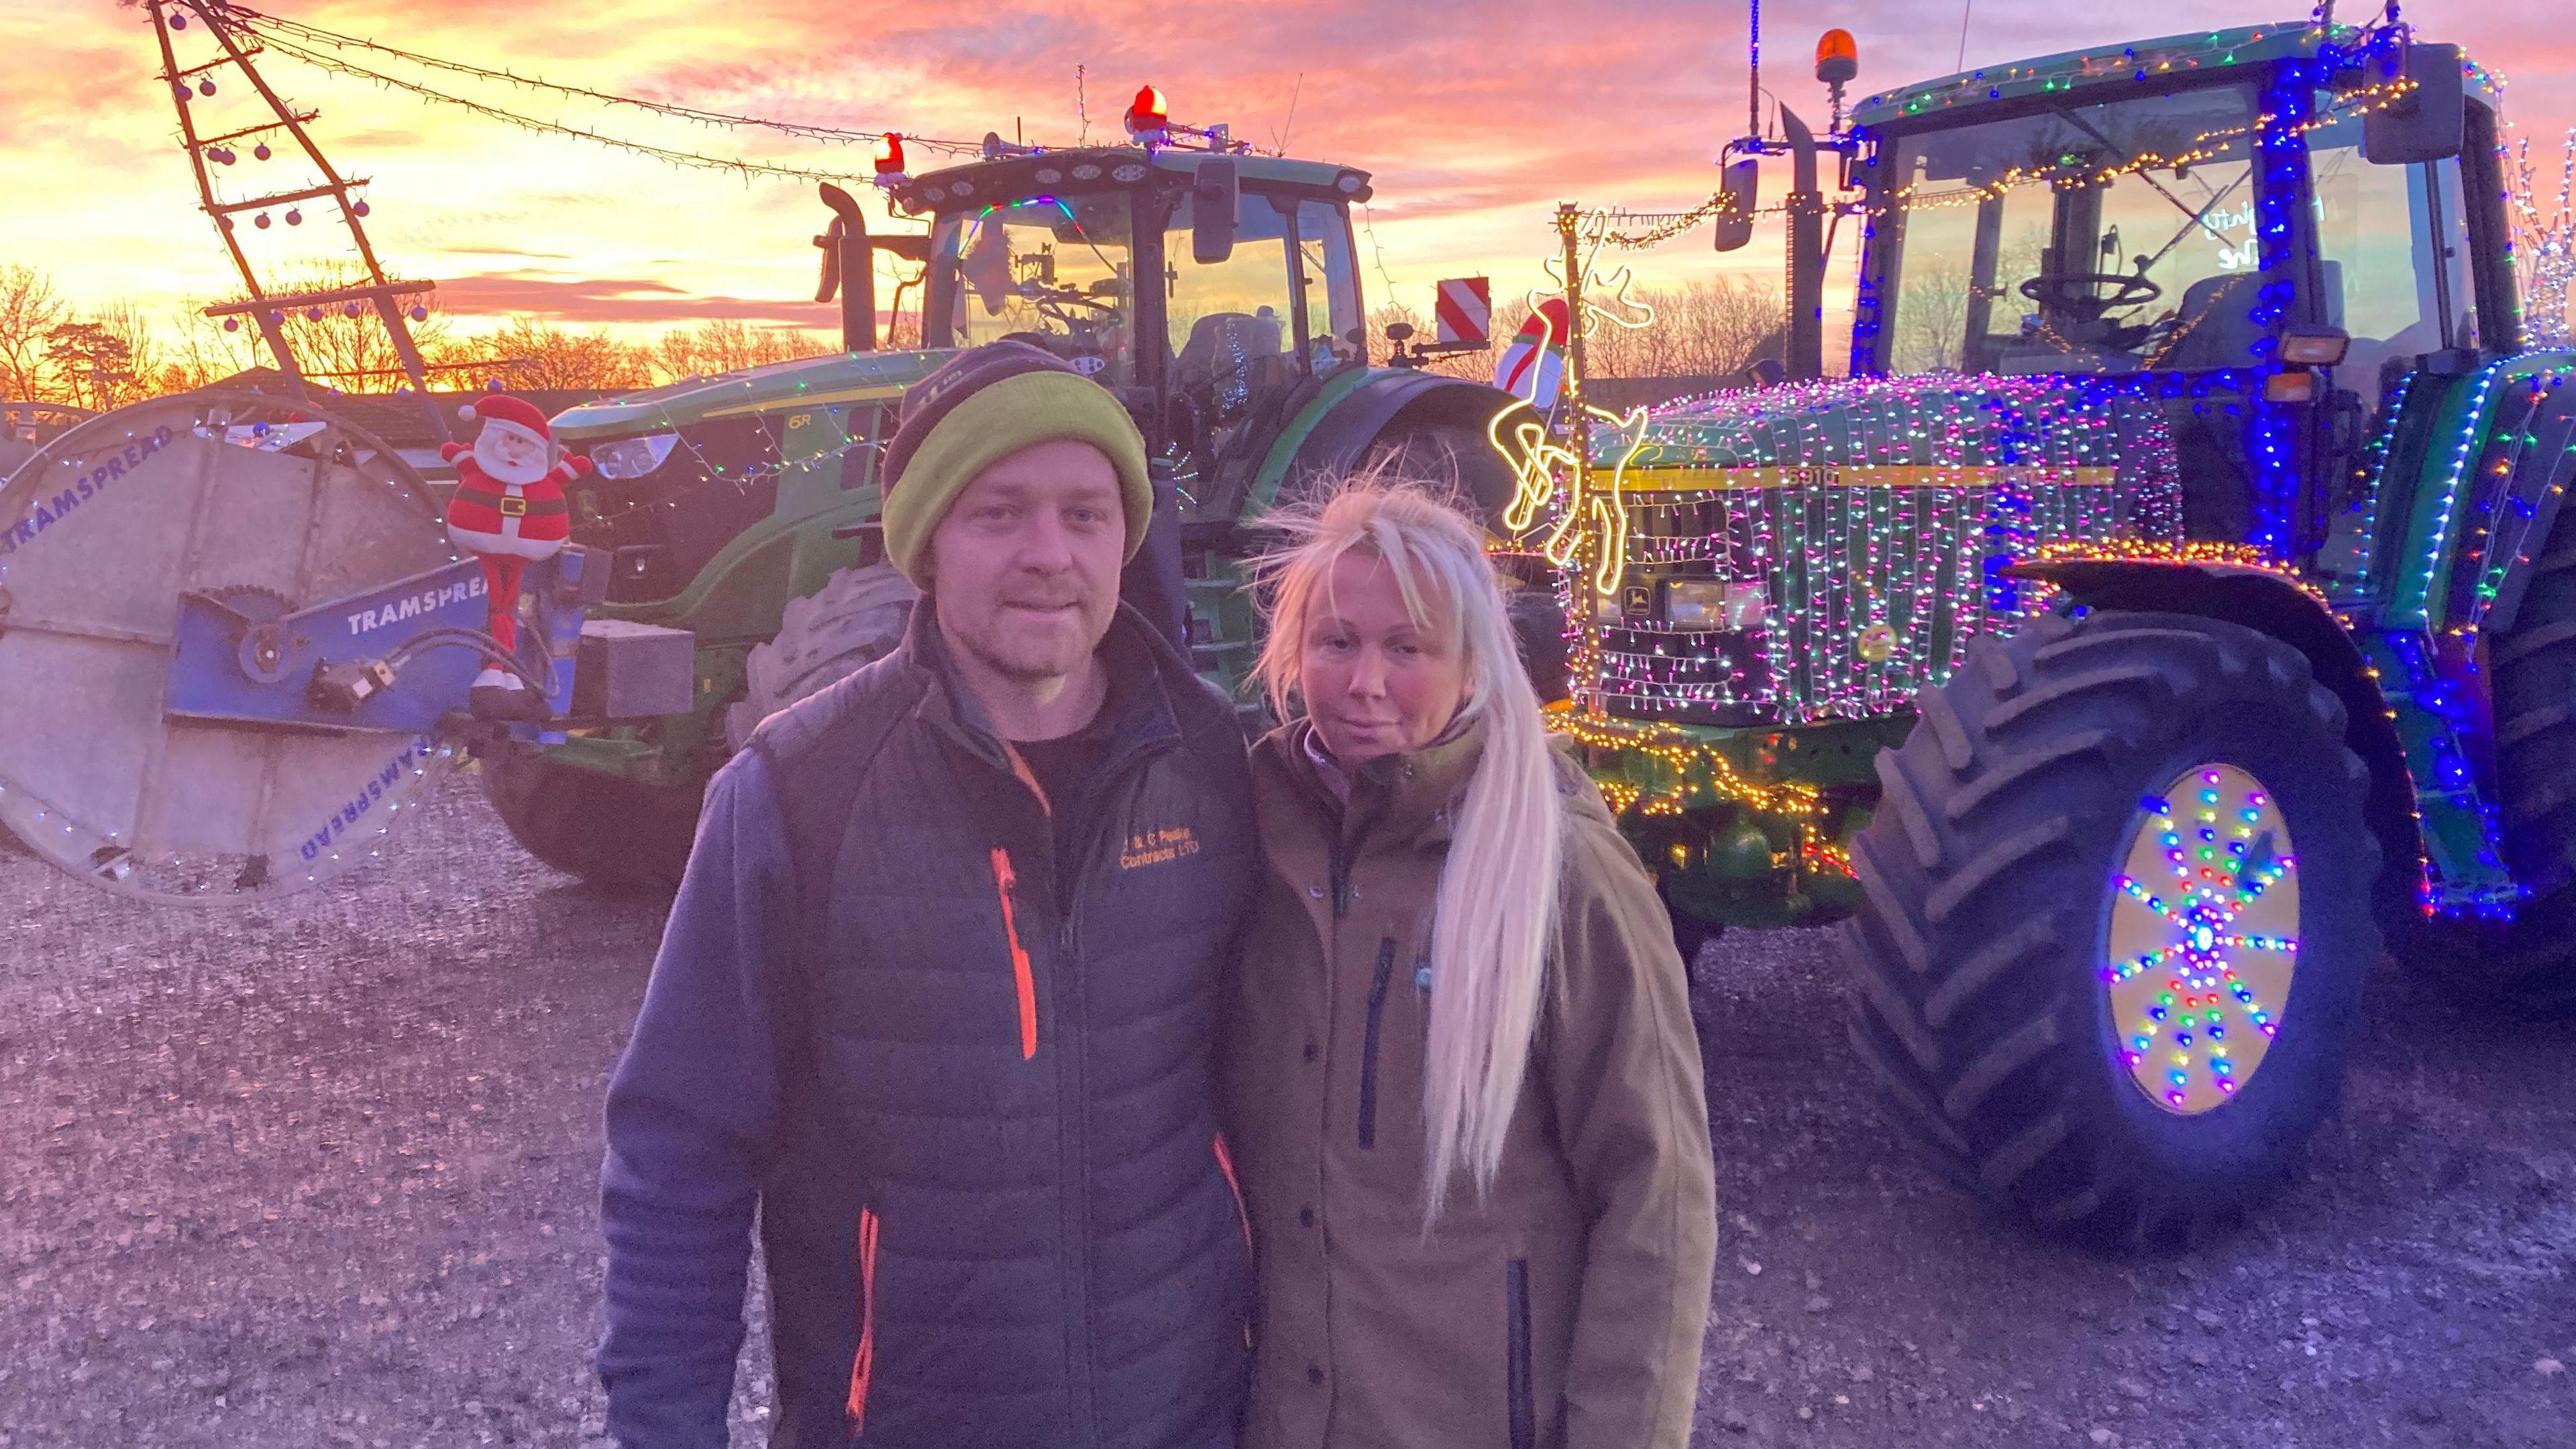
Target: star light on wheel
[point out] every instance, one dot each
(2203, 937)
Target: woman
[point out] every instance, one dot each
(1465, 1094)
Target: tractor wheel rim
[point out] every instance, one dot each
(2203, 937)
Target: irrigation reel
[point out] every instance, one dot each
(235, 646)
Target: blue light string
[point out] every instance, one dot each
(2271, 441)
(2414, 601)
(2375, 469)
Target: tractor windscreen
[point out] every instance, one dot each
(2085, 239)
(1055, 271)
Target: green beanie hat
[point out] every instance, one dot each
(982, 406)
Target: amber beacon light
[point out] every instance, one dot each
(1837, 58)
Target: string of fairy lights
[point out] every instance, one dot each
(538, 125)
(1664, 226)
(1869, 513)
(331, 52)
(2212, 145)
(2204, 147)
(280, 32)
(2545, 248)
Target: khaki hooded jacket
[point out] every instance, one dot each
(1567, 1308)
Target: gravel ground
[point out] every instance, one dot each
(323, 1173)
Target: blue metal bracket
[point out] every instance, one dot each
(232, 664)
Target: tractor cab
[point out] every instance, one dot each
(1213, 290)
(2197, 220)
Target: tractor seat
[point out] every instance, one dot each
(2214, 326)
(1219, 338)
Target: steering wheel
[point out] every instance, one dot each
(2079, 294)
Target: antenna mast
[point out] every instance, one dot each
(1753, 103)
(268, 311)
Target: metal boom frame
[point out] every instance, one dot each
(267, 312)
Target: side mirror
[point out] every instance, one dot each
(1399, 333)
(1213, 195)
(2429, 123)
(1737, 193)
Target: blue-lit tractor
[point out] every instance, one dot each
(2198, 490)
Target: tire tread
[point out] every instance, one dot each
(1961, 960)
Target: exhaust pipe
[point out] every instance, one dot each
(849, 267)
(1805, 342)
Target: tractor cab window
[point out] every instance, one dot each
(1330, 276)
(2393, 255)
(2108, 238)
(1235, 325)
(1057, 272)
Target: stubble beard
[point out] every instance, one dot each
(1033, 656)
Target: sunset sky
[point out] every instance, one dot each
(1475, 116)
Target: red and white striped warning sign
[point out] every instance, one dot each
(1466, 311)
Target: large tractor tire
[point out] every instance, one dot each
(2099, 985)
(2530, 967)
(855, 619)
(618, 835)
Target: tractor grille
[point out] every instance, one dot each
(1873, 580)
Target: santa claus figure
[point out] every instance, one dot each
(509, 510)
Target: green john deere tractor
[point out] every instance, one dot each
(2173, 606)
(1213, 290)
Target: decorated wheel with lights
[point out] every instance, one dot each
(2203, 940)
(2117, 920)
(172, 580)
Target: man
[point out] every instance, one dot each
(937, 995)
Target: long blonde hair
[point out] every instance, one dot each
(1495, 915)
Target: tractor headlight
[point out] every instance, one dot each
(633, 457)
(1713, 604)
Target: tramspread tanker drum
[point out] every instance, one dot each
(236, 645)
